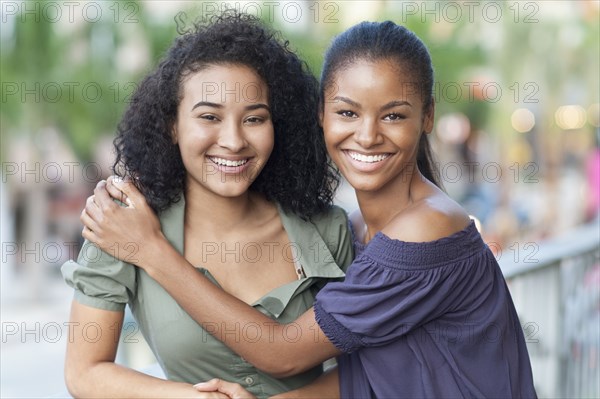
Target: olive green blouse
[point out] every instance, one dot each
(322, 248)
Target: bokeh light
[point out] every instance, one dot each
(522, 120)
(453, 128)
(570, 117)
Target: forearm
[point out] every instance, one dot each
(90, 370)
(220, 314)
(225, 317)
(107, 379)
(324, 387)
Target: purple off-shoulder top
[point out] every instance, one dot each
(426, 320)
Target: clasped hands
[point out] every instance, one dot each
(230, 389)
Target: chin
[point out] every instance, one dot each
(228, 189)
(363, 183)
(232, 192)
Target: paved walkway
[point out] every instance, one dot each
(34, 337)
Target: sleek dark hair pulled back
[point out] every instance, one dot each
(375, 41)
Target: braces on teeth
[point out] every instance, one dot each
(226, 162)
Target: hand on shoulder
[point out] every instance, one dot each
(429, 219)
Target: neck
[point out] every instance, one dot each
(379, 207)
(215, 213)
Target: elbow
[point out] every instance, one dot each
(75, 381)
(282, 368)
(280, 372)
(286, 360)
(71, 382)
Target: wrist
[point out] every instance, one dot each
(154, 254)
(185, 390)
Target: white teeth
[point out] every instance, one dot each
(367, 158)
(227, 162)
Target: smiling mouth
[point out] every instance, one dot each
(367, 158)
(229, 162)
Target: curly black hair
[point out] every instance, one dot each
(298, 175)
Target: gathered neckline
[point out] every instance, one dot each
(399, 254)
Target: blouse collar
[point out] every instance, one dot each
(308, 248)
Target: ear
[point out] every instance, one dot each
(321, 112)
(429, 117)
(174, 134)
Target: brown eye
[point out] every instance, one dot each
(394, 117)
(254, 120)
(346, 114)
(209, 117)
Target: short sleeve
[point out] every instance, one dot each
(100, 280)
(374, 306)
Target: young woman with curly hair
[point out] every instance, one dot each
(223, 140)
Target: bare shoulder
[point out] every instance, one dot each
(430, 219)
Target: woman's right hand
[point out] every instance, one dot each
(128, 233)
(230, 389)
(210, 395)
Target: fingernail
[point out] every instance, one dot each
(117, 180)
(128, 202)
(200, 385)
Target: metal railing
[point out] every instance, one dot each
(556, 292)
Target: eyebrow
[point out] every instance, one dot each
(395, 103)
(206, 104)
(215, 105)
(258, 106)
(346, 100)
(391, 104)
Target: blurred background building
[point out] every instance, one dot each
(517, 141)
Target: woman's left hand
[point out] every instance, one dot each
(125, 232)
(231, 389)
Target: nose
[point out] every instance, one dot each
(367, 134)
(232, 137)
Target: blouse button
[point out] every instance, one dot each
(249, 380)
